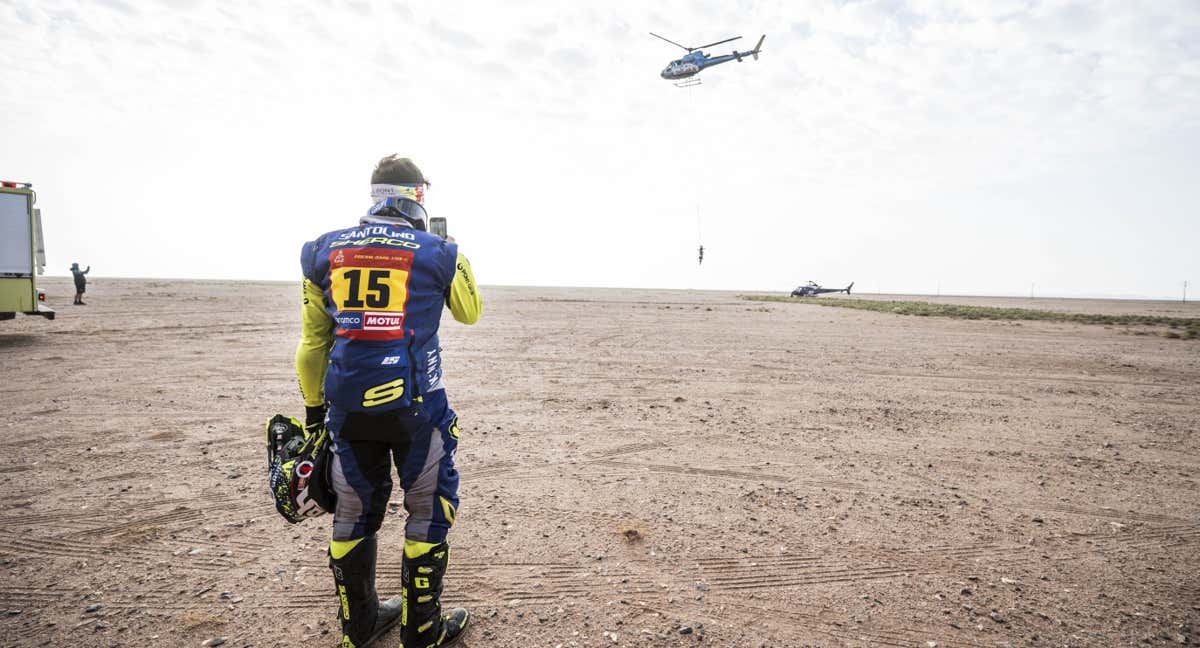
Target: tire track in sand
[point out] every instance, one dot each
(778, 572)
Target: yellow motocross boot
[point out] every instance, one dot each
(364, 618)
(422, 623)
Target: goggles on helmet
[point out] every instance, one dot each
(394, 207)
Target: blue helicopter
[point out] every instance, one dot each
(683, 71)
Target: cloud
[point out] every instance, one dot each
(119, 5)
(25, 15)
(193, 44)
(400, 9)
(617, 30)
(453, 37)
(542, 31)
(525, 49)
(572, 59)
(496, 69)
(360, 7)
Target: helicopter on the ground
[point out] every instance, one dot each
(811, 289)
(683, 70)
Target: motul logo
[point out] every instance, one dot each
(382, 321)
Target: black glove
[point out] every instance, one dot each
(314, 416)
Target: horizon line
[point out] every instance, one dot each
(1080, 296)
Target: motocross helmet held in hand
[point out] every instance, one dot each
(298, 462)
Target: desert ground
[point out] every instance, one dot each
(639, 468)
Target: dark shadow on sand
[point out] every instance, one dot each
(17, 340)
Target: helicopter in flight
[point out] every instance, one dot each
(812, 289)
(684, 70)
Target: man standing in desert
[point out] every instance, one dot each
(370, 369)
(80, 282)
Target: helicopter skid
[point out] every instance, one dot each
(687, 83)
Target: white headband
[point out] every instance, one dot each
(411, 191)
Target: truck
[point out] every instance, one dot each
(22, 253)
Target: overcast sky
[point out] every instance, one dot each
(971, 146)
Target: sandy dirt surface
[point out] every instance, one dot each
(640, 468)
(1177, 308)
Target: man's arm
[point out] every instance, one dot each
(312, 354)
(464, 301)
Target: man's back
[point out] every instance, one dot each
(383, 289)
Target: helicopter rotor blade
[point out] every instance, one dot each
(727, 40)
(673, 42)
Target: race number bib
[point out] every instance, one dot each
(369, 287)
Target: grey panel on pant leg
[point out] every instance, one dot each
(349, 503)
(418, 499)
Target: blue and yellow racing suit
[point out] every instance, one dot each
(373, 297)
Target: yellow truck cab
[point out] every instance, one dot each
(22, 255)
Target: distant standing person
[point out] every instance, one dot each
(80, 283)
